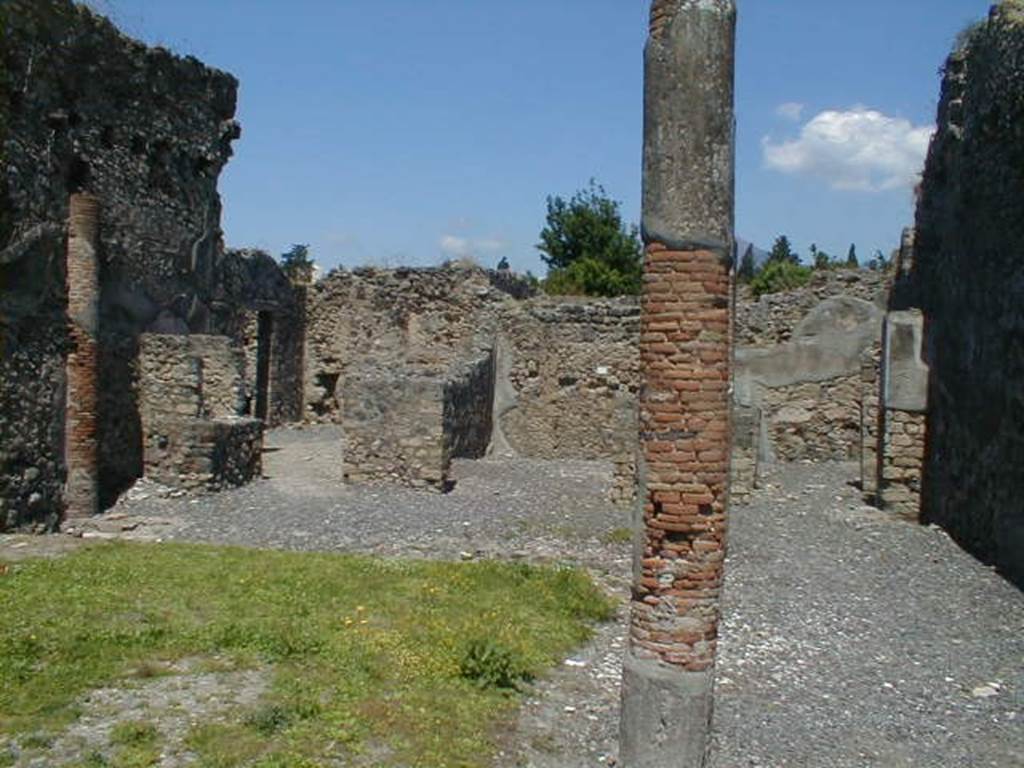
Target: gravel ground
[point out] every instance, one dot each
(849, 638)
(852, 639)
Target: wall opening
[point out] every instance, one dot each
(264, 336)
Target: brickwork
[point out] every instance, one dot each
(684, 428)
(81, 453)
(901, 462)
(686, 330)
(870, 383)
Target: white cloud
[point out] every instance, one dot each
(465, 247)
(791, 110)
(859, 149)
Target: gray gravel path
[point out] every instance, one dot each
(852, 639)
(849, 638)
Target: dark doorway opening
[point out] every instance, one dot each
(264, 336)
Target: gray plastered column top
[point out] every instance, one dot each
(688, 163)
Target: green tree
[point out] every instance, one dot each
(820, 258)
(747, 266)
(587, 247)
(782, 251)
(779, 276)
(295, 262)
(851, 257)
(503, 264)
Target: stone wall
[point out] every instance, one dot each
(146, 133)
(250, 284)
(772, 318)
(565, 376)
(394, 428)
(414, 317)
(870, 416)
(969, 275)
(469, 408)
(192, 394)
(194, 376)
(573, 367)
(901, 460)
(804, 397)
(200, 455)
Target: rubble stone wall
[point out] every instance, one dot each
(200, 455)
(196, 376)
(814, 420)
(192, 394)
(574, 369)
(569, 365)
(146, 133)
(468, 408)
(969, 275)
(772, 318)
(394, 428)
(411, 317)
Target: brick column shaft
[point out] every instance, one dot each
(685, 353)
(684, 438)
(81, 449)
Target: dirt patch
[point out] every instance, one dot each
(163, 708)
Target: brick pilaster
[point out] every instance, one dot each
(81, 448)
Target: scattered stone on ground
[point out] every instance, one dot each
(171, 699)
(849, 638)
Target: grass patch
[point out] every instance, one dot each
(413, 662)
(618, 536)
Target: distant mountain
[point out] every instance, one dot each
(760, 254)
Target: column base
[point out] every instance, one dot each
(666, 716)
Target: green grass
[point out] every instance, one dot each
(408, 662)
(618, 536)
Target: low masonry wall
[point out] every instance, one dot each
(192, 393)
(394, 429)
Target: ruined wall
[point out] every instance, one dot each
(567, 368)
(970, 277)
(196, 376)
(574, 370)
(192, 393)
(772, 318)
(468, 407)
(805, 396)
(147, 133)
(250, 282)
(394, 428)
(416, 317)
(870, 414)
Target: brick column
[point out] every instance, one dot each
(685, 348)
(80, 452)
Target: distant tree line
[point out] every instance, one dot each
(783, 270)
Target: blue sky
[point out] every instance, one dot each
(410, 131)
